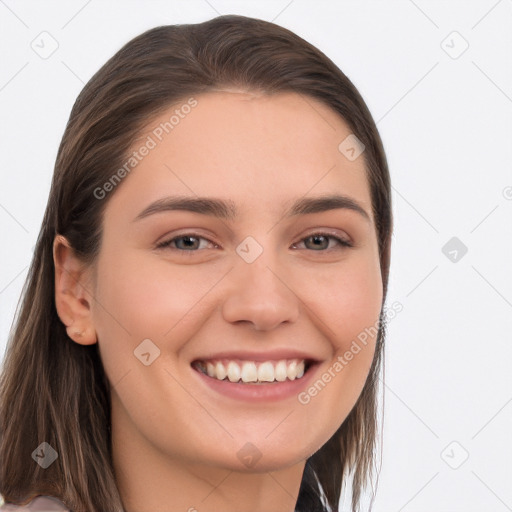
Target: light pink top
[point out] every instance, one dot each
(38, 504)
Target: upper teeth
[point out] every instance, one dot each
(251, 371)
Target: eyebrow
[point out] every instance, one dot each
(226, 209)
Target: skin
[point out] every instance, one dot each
(175, 441)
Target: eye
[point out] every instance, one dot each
(321, 241)
(190, 242)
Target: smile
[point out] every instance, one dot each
(256, 372)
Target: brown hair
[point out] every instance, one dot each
(55, 390)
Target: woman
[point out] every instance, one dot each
(203, 321)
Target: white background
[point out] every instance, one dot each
(446, 124)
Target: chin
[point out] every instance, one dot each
(266, 464)
(261, 457)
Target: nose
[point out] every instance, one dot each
(260, 293)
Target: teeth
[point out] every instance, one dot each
(233, 372)
(300, 370)
(220, 371)
(210, 369)
(250, 371)
(291, 371)
(266, 372)
(280, 371)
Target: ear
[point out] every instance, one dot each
(72, 296)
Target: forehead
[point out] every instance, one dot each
(260, 151)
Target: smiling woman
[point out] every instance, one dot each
(188, 335)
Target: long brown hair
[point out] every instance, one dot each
(54, 390)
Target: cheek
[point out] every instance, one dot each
(348, 299)
(145, 296)
(348, 302)
(350, 309)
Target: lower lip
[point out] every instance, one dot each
(269, 392)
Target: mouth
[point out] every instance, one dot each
(254, 373)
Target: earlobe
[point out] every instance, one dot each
(72, 300)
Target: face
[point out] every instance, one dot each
(178, 286)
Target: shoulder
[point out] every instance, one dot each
(38, 504)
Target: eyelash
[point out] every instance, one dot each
(167, 243)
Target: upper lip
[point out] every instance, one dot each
(273, 355)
